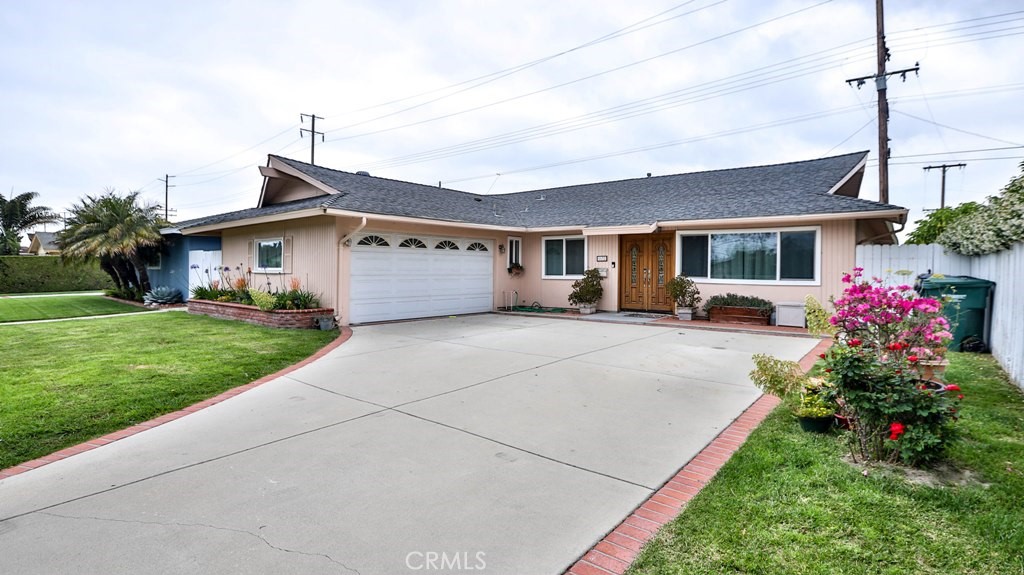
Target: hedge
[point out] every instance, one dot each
(35, 274)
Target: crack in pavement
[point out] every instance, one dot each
(207, 526)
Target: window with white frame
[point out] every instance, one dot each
(269, 255)
(515, 251)
(564, 257)
(787, 255)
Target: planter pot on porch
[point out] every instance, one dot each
(684, 313)
(286, 318)
(587, 308)
(731, 314)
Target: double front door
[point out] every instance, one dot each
(647, 262)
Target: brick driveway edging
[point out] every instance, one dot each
(615, 552)
(345, 334)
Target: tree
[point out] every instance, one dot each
(115, 230)
(931, 226)
(17, 215)
(993, 227)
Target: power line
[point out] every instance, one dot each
(948, 127)
(743, 130)
(581, 79)
(620, 112)
(494, 76)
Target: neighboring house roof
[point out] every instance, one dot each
(790, 189)
(43, 240)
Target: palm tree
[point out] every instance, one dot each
(113, 229)
(17, 215)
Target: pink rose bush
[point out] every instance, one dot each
(883, 333)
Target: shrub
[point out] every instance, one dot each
(882, 334)
(588, 289)
(35, 274)
(817, 318)
(776, 376)
(991, 228)
(263, 300)
(764, 307)
(684, 291)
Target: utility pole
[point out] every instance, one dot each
(944, 167)
(880, 78)
(167, 193)
(312, 132)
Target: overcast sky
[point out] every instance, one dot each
(116, 94)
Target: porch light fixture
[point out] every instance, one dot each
(501, 248)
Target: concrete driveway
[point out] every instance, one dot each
(507, 444)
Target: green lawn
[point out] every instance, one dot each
(787, 504)
(54, 307)
(64, 383)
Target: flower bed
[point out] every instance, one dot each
(280, 318)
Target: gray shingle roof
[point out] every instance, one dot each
(795, 188)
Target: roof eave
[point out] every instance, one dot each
(417, 220)
(242, 222)
(839, 185)
(898, 216)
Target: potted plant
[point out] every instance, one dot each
(515, 269)
(686, 295)
(734, 308)
(587, 291)
(817, 412)
(784, 378)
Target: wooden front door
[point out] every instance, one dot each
(647, 262)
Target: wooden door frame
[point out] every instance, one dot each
(652, 296)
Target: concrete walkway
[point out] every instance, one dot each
(504, 443)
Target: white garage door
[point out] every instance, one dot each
(396, 276)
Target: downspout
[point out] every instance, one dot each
(341, 242)
(893, 233)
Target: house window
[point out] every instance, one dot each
(515, 251)
(155, 262)
(412, 243)
(269, 255)
(374, 241)
(756, 256)
(564, 257)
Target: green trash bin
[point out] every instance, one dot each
(969, 306)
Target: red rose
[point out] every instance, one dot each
(961, 396)
(953, 387)
(896, 429)
(821, 355)
(855, 342)
(828, 370)
(912, 358)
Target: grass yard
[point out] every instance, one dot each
(787, 504)
(54, 307)
(61, 384)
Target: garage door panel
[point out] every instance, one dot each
(391, 282)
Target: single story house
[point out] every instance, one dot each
(43, 244)
(378, 249)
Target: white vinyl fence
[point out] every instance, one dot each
(1005, 268)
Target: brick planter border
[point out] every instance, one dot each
(280, 318)
(614, 552)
